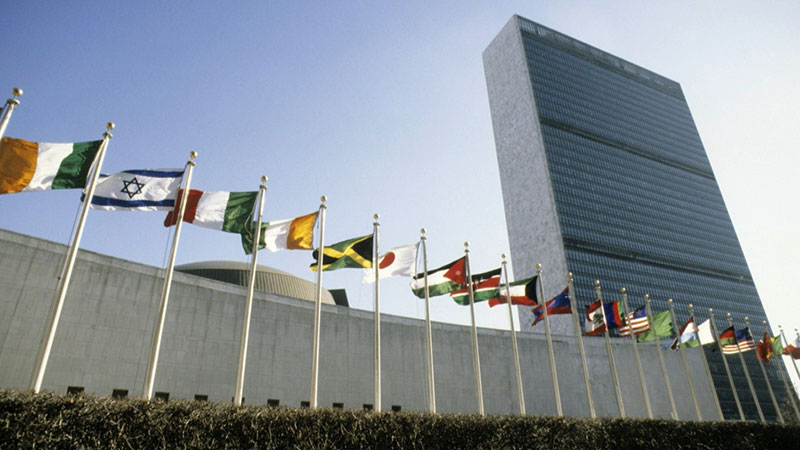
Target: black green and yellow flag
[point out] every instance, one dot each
(356, 252)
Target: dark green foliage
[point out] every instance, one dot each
(79, 421)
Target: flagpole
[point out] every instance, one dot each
(614, 377)
(514, 350)
(705, 365)
(553, 369)
(248, 308)
(72, 253)
(780, 372)
(624, 293)
(746, 372)
(476, 357)
(791, 358)
(11, 104)
(764, 372)
(649, 311)
(428, 333)
(672, 316)
(377, 317)
(318, 307)
(162, 315)
(579, 335)
(725, 361)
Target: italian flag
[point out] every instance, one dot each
(224, 211)
(38, 166)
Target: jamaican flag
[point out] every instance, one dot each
(356, 252)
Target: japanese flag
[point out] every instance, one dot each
(397, 262)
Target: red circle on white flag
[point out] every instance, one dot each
(387, 260)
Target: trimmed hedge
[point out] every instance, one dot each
(82, 421)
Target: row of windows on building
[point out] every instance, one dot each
(164, 396)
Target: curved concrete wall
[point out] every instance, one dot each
(104, 339)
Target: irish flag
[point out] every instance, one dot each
(225, 211)
(37, 166)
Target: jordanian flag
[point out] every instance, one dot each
(484, 286)
(356, 252)
(35, 166)
(443, 280)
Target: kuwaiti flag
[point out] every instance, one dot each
(522, 292)
(442, 280)
(484, 286)
(559, 304)
(37, 166)
(218, 210)
(397, 262)
(142, 190)
(636, 320)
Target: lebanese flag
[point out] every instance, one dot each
(218, 210)
(594, 319)
(397, 262)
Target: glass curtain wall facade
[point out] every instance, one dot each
(635, 200)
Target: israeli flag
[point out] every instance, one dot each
(141, 190)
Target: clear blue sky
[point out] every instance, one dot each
(381, 106)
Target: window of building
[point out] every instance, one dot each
(273, 402)
(396, 408)
(367, 407)
(201, 397)
(305, 404)
(337, 405)
(119, 393)
(163, 396)
(74, 390)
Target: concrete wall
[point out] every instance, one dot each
(104, 338)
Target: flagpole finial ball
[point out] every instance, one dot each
(422, 230)
(710, 310)
(538, 266)
(764, 322)
(747, 319)
(669, 300)
(597, 283)
(691, 306)
(623, 290)
(16, 92)
(192, 154)
(323, 199)
(503, 256)
(466, 244)
(110, 126)
(376, 216)
(264, 179)
(569, 274)
(646, 296)
(728, 315)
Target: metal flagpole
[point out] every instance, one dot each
(518, 370)
(624, 293)
(725, 362)
(780, 372)
(318, 307)
(791, 394)
(376, 350)
(747, 373)
(248, 308)
(428, 333)
(764, 372)
(72, 253)
(11, 104)
(579, 336)
(789, 390)
(705, 365)
(147, 393)
(649, 312)
(476, 357)
(677, 329)
(611, 363)
(553, 370)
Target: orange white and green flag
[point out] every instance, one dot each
(37, 166)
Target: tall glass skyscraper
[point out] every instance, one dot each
(604, 174)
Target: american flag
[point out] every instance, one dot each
(636, 320)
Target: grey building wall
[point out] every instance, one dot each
(105, 333)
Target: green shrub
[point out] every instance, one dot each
(82, 421)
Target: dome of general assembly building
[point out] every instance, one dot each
(268, 279)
